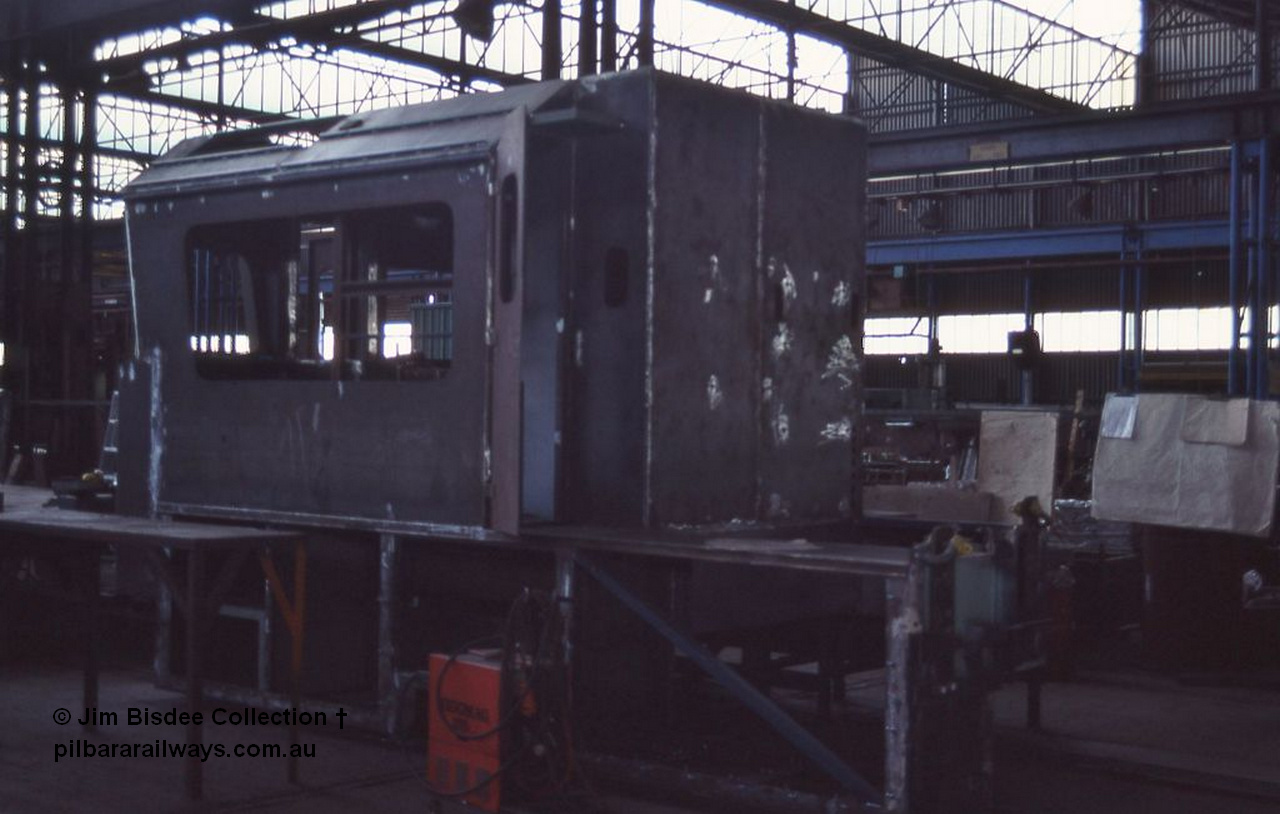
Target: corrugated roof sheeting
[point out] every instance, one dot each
(978, 293)
(889, 99)
(1195, 54)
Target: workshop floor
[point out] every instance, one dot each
(1110, 744)
(1142, 742)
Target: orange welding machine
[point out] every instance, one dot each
(465, 741)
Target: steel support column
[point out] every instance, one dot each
(1260, 334)
(552, 54)
(88, 180)
(1132, 270)
(587, 30)
(388, 562)
(566, 591)
(1139, 295)
(608, 35)
(162, 658)
(88, 185)
(195, 672)
(792, 62)
(74, 340)
(897, 714)
(905, 622)
(1122, 368)
(644, 36)
(1262, 46)
(29, 302)
(937, 366)
(1252, 327)
(1028, 322)
(13, 147)
(1145, 61)
(1234, 385)
(851, 84)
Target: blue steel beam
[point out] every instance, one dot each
(756, 701)
(1172, 126)
(1048, 243)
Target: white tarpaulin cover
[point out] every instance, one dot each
(1188, 461)
(1017, 451)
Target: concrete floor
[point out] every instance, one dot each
(347, 775)
(1139, 743)
(1110, 745)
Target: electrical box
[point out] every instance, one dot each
(464, 738)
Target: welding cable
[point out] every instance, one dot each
(506, 716)
(556, 724)
(535, 626)
(503, 768)
(480, 785)
(537, 715)
(444, 671)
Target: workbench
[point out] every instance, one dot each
(31, 525)
(913, 579)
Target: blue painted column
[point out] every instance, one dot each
(1121, 363)
(1250, 276)
(1261, 339)
(1234, 385)
(1028, 322)
(1139, 289)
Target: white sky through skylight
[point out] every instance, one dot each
(1116, 21)
(693, 38)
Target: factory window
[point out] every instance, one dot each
(234, 274)
(1170, 329)
(398, 317)
(397, 339)
(1201, 329)
(360, 295)
(977, 333)
(1080, 331)
(1164, 329)
(895, 336)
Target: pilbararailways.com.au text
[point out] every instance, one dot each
(163, 748)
